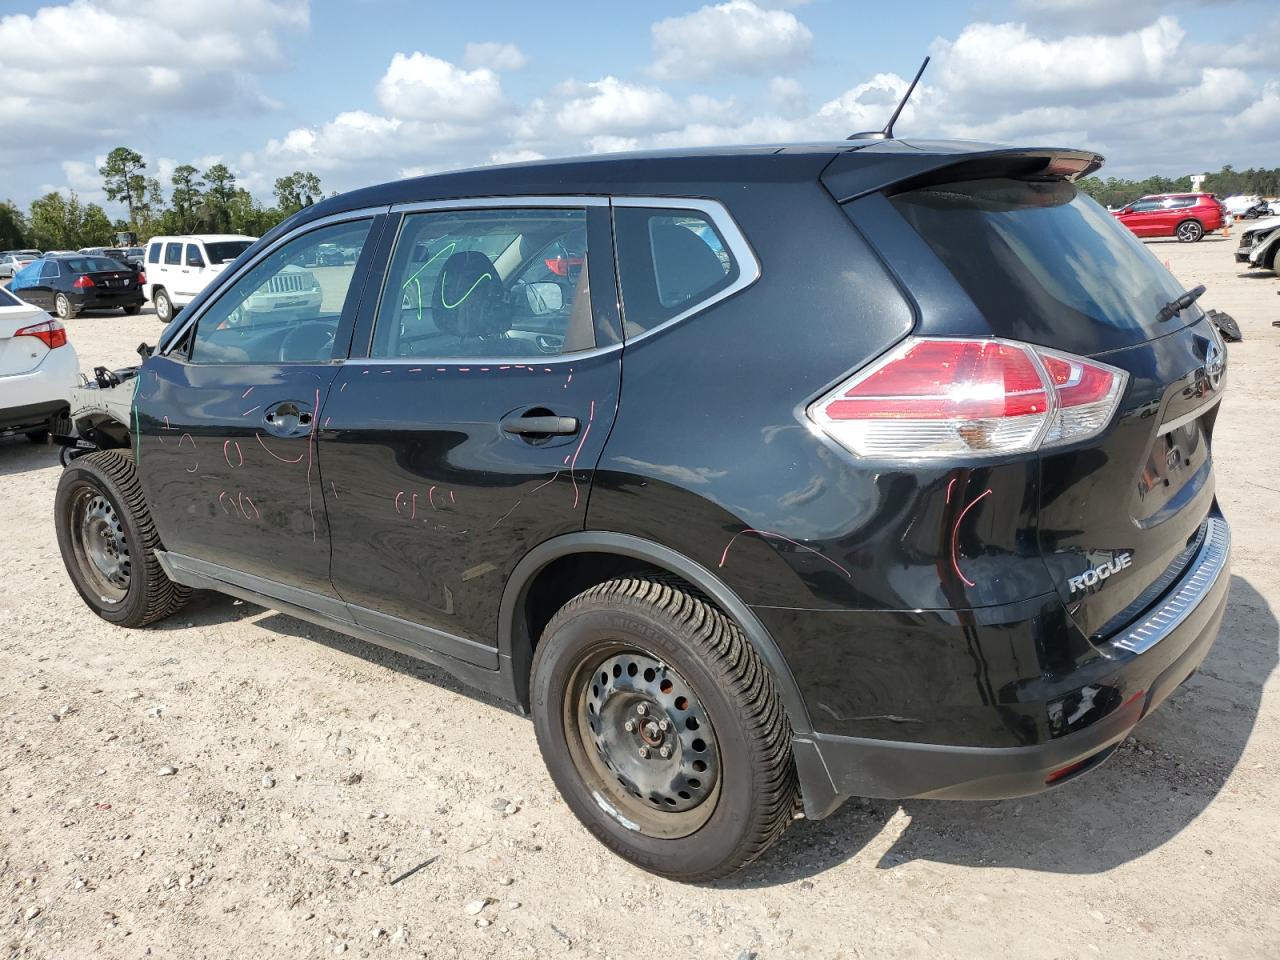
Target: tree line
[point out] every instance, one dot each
(209, 201)
(1227, 182)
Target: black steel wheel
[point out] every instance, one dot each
(643, 739)
(108, 541)
(662, 729)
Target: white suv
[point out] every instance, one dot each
(178, 268)
(38, 368)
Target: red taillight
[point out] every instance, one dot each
(142, 278)
(83, 282)
(51, 332)
(951, 397)
(561, 266)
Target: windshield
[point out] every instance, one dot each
(1044, 257)
(225, 251)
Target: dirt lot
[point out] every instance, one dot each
(313, 771)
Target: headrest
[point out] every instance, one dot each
(468, 298)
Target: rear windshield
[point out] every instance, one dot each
(1045, 263)
(90, 264)
(7, 299)
(226, 250)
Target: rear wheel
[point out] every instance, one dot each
(164, 306)
(62, 306)
(663, 730)
(108, 541)
(133, 309)
(1189, 231)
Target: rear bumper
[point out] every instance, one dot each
(1148, 660)
(103, 300)
(32, 416)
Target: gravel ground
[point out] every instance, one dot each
(236, 783)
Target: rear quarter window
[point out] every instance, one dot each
(670, 261)
(1045, 263)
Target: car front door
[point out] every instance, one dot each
(466, 426)
(226, 419)
(1141, 218)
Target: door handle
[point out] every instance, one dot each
(540, 426)
(288, 418)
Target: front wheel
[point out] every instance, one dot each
(1189, 231)
(108, 541)
(663, 730)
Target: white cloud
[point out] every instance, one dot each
(612, 105)
(422, 87)
(996, 63)
(495, 56)
(1103, 16)
(737, 36)
(70, 62)
(787, 95)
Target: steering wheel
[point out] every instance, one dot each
(307, 341)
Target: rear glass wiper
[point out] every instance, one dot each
(1175, 307)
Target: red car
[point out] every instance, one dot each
(1187, 216)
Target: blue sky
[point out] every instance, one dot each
(367, 90)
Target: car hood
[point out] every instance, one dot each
(1263, 225)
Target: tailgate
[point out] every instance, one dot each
(1120, 520)
(1121, 512)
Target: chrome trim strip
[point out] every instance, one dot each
(482, 203)
(364, 213)
(1182, 421)
(1209, 566)
(744, 256)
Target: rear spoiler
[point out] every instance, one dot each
(900, 165)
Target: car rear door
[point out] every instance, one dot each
(226, 421)
(465, 427)
(28, 284)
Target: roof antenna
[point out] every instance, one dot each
(887, 132)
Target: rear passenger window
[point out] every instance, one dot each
(172, 254)
(669, 262)
(487, 283)
(153, 253)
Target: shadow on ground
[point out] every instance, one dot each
(1170, 770)
(20, 455)
(1175, 764)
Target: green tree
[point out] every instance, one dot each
(13, 226)
(220, 190)
(123, 179)
(297, 190)
(96, 229)
(56, 222)
(187, 195)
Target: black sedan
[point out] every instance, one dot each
(68, 284)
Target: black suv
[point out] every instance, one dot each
(760, 477)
